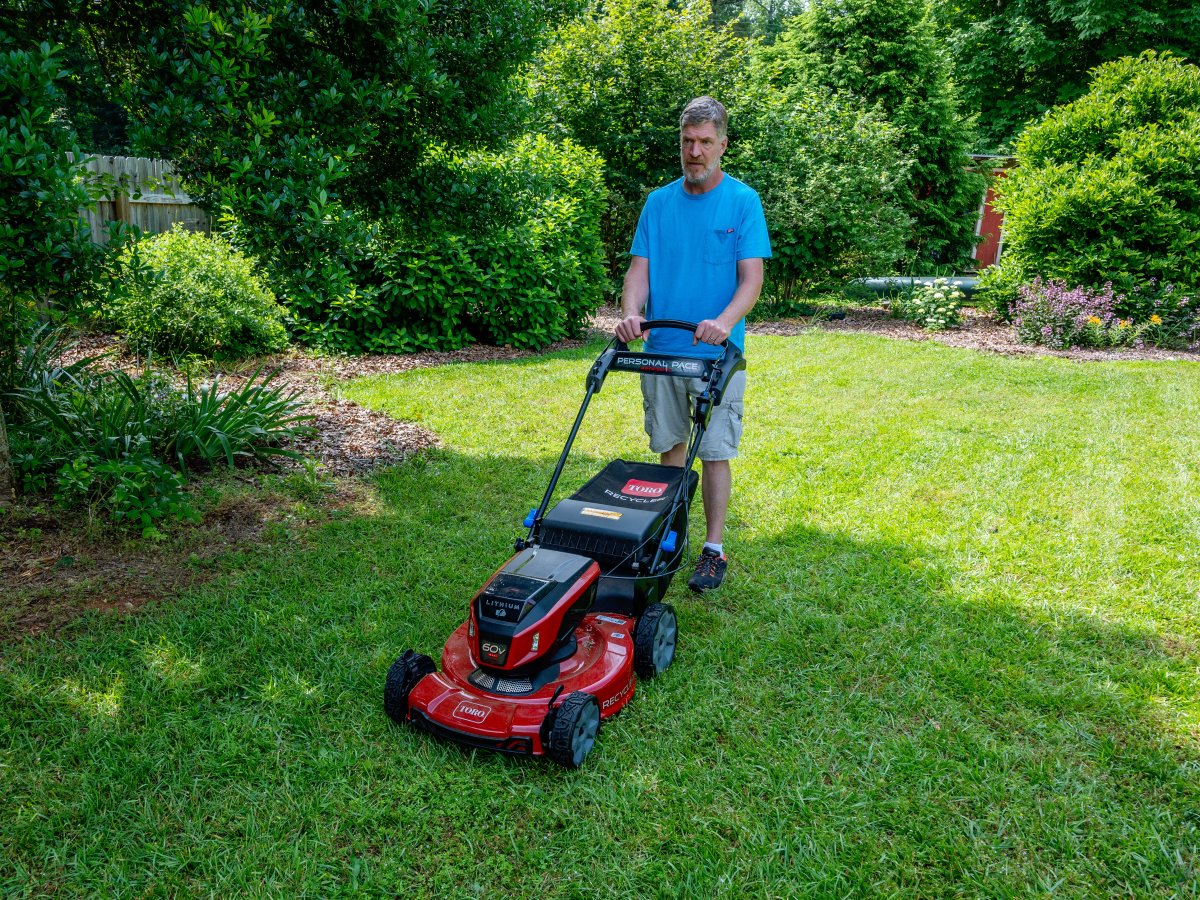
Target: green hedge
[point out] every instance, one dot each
(188, 293)
(1106, 187)
(513, 257)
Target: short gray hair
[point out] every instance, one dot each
(705, 109)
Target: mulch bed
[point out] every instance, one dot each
(979, 331)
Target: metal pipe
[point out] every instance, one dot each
(904, 283)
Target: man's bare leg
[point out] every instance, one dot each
(676, 456)
(715, 489)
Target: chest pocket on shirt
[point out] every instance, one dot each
(720, 247)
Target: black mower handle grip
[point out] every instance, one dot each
(648, 324)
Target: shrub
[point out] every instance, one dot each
(136, 490)
(886, 53)
(187, 293)
(935, 307)
(123, 443)
(1167, 316)
(829, 174)
(514, 256)
(1106, 189)
(211, 425)
(1051, 313)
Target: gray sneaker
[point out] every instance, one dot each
(710, 571)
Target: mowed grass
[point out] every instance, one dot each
(958, 655)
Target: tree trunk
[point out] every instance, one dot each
(7, 484)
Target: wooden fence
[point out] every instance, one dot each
(151, 198)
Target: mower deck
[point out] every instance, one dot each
(457, 704)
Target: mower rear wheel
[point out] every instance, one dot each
(401, 679)
(654, 640)
(573, 734)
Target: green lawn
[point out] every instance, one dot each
(958, 654)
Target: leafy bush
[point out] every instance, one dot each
(935, 307)
(299, 122)
(514, 256)
(111, 439)
(190, 293)
(115, 414)
(1106, 189)
(1014, 59)
(885, 53)
(829, 174)
(1053, 314)
(136, 490)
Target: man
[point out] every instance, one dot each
(698, 256)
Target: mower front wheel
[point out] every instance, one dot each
(654, 640)
(401, 679)
(573, 734)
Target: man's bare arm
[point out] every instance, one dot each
(633, 299)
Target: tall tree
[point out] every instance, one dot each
(886, 52)
(1014, 59)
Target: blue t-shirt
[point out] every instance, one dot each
(693, 243)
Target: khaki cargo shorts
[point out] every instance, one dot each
(667, 404)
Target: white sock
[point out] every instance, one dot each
(719, 548)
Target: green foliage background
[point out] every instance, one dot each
(45, 249)
(1106, 189)
(885, 52)
(1014, 59)
(511, 255)
(831, 177)
(615, 79)
(307, 126)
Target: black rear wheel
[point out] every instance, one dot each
(401, 679)
(654, 640)
(576, 723)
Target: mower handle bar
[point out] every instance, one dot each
(717, 373)
(648, 324)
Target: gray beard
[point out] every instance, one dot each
(702, 177)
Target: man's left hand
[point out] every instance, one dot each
(710, 331)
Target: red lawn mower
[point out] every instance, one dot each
(559, 635)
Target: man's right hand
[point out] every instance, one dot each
(629, 329)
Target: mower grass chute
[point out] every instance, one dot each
(556, 639)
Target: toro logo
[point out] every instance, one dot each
(471, 712)
(635, 488)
